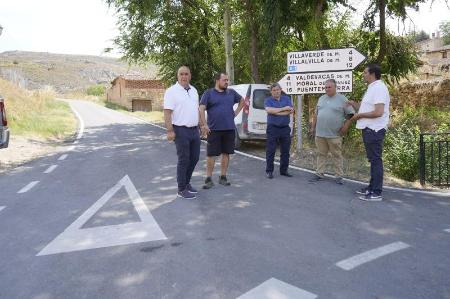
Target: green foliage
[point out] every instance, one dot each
(400, 60)
(401, 151)
(401, 154)
(172, 34)
(445, 29)
(96, 90)
(419, 36)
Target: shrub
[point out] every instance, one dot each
(401, 154)
(96, 90)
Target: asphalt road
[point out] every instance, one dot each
(103, 221)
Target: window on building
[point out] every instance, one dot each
(444, 54)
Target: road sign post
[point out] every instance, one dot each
(308, 71)
(324, 60)
(299, 116)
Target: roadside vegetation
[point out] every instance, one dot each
(37, 113)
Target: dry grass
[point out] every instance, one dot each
(37, 113)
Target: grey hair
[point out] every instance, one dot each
(332, 81)
(276, 84)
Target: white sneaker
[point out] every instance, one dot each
(371, 197)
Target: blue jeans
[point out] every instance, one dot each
(373, 142)
(187, 142)
(278, 135)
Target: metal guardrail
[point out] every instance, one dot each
(434, 159)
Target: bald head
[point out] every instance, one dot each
(184, 76)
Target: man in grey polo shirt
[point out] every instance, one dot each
(181, 119)
(331, 121)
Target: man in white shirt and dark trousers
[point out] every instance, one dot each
(181, 118)
(373, 118)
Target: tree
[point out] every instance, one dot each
(228, 41)
(445, 29)
(196, 32)
(420, 36)
(172, 33)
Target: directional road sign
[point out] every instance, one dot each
(311, 83)
(324, 60)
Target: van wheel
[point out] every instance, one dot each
(237, 140)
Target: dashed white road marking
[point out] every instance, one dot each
(447, 230)
(28, 187)
(51, 168)
(1, 208)
(277, 289)
(63, 157)
(75, 238)
(357, 260)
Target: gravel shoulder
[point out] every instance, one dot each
(25, 149)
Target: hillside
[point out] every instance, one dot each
(36, 70)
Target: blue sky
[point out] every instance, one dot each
(87, 26)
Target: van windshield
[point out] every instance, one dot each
(259, 95)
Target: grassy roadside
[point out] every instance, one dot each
(37, 114)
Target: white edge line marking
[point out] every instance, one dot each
(2, 207)
(51, 168)
(370, 255)
(28, 187)
(63, 157)
(312, 171)
(81, 124)
(447, 230)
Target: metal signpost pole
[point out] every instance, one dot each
(299, 116)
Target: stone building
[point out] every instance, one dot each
(136, 93)
(435, 57)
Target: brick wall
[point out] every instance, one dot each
(426, 93)
(140, 84)
(124, 91)
(116, 94)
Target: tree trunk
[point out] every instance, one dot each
(382, 9)
(318, 18)
(228, 42)
(253, 42)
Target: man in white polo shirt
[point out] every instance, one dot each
(181, 117)
(373, 118)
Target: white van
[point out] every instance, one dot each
(251, 122)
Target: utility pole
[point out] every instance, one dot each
(228, 42)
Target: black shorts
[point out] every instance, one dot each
(220, 142)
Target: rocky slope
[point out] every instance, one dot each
(64, 73)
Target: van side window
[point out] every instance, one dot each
(259, 95)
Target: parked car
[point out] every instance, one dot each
(251, 122)
(4, 131)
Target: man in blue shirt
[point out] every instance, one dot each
(220, 128)
(279, 108)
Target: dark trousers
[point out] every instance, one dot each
(278, 135)
(373, 142)
(187, 142)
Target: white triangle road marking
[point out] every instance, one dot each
(277, 289)
(74, 238)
